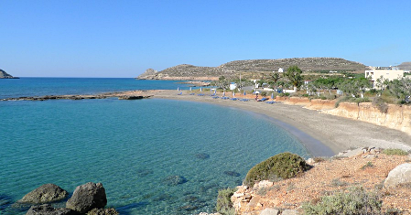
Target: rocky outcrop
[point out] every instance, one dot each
(174, 180)
(5, 75)
(44, 194)
(47, 209)
(233, 68)
(87, 197)
(120, 96)
(399, 175)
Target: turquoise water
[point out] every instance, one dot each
(11, 88)
(132, 147)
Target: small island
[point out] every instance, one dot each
(5, 75)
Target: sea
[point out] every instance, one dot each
(153, 156)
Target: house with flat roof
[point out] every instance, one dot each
(390, 74)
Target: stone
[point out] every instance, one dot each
(174, 180)
(270, 211)
(47, 209)
(399, 175)
(102, 211)
(44, 194)
(290, 212)
(353, 153)
(87, 197)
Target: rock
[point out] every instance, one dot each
(290, 212)
(130, 97)
(232, 173)
(101, 211)
(264, 183)
(270, 211)
(174, 180)
(399, 175)
(87, 197)
(354, 153)
(47, 209)
(44, 194)
(202, 156)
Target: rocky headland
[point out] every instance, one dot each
(250, 68)
(5, 75)
(128, 95)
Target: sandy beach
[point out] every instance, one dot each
(322, 134)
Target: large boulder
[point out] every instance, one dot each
(87, 197)
(49, 210)
(44, 194)
(399, 175)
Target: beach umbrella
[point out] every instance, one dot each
(201, 89)
(224, 93)
(233, 94)
(245, 93)
(190, 88)
(272, 96)
(178, 88)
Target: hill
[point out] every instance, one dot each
(250, 68)
(405, 66)
(5, 75)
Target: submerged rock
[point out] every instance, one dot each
(44, 194)
(174, 180)
(47, 209)
(202, 156)
(87, 197)
(232, 173)
(101, 211)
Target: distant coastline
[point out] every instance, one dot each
(5, 75)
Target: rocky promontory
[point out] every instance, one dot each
(5, 75)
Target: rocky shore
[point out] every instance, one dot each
(129, 95)
(89, 198)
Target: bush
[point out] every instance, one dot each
(394, 152)
(356, 201)
(224, 205)
(263, 93)
(380, 104)
(281, 166)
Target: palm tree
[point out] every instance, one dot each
(294, 75)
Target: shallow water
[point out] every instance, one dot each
(132, 147)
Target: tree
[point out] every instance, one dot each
(401, 89)
(274, 78)
(294, 75)
(355, 87)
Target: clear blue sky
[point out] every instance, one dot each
(84, 38)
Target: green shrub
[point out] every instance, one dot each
(367, 165)
(305, 95)
(394, 152)
(281, 166)
(224, 205)
(263, 93)
(356, 201)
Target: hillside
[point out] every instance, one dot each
(250, 67)
(5, 75)
(405, 66)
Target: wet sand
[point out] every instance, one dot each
(320, 133)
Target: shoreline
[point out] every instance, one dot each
(318, 132)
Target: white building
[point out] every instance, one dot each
(280, 70)
(233, 86)
(384, 74)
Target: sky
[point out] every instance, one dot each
(118, 38)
